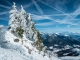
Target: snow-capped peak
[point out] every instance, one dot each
(66, 35)
(57, 33)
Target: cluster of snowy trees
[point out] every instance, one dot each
(21, 23)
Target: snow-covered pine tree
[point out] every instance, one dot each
(34, 34)
(15, 23)
(14, 17)
(27, 24)
(29, 29)
(23, 18)
(21, 23)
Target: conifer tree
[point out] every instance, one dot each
(21, 23)
(29, 29)
(14, 18)
(34, 34)
(15, 22)
(23, 17)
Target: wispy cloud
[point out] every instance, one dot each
(28, 5)
(37, 6)
(65, 22)
(68, 26)
(39, 17)
(5, 6)
(44, 24)
(3, 13)
(42, 17)
(76, 12)
(68, 18)
(56, 15)
(70, 22)
(8, 2)
(5, 19)
(55, 8)
(2, 17)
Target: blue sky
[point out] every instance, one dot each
(50, 15)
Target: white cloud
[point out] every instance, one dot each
(8, 2)
(2, 13)
(37, 6)
(76, 12)
(44, 24)
(67, 19)
(53, 21)
(56, 9)
(39, 17)
(28, 5)
(5, 6)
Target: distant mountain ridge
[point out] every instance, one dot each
(59, 39)
(61, 43)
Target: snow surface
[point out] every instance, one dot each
(16, 51)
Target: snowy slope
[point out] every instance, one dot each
(11, 50)
(12, 54)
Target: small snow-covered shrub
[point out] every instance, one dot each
(29, 50)
(12, 31)
(16, 40)
(5, 42)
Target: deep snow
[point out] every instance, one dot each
(11, 50)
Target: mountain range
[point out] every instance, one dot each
(63, 44)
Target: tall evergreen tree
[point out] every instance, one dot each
(14, 18)
(34, 34)
(29, 29)
(15, 22)
(21, 23)
(23, 18)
